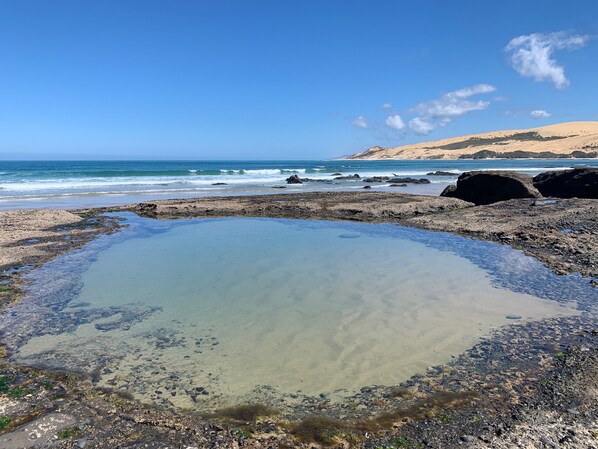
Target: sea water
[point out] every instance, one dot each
(76, 184)
(213, 312)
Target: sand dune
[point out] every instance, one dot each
(575, 139)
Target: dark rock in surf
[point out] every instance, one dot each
(376, 179)
(409, 181)
(294, 179)
(441, 173)
(342, 178)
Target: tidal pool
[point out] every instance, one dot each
(213, 312)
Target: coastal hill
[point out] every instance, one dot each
(573, 139)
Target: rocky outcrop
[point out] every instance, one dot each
(486, 187)
(294, 179)
(397, 180)
(343, 178)
(576, 183)
(441, 173)
(409, 181)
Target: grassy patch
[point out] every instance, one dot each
(48, 385)
(243, 433)
(4, 422)
(402, 442)
(68, 433)
(18, 393)
(5, 383)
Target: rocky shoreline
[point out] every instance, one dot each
(529, 385)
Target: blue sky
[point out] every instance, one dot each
(242, 79)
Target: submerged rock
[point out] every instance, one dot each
(579, 183)
(492, 186)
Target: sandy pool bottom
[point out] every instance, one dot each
(233, 310)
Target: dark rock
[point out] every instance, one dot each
(294, 179)
(219, 184)
(367, 187)
(579, 183)
(279, 187)
(340, 178)
(409, 181)
(398, 185)
(513, 317)
(336, 174)
(441, 173)
(449, 191)
(486, 187)
(376, 179)
(147, 207)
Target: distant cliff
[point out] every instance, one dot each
(574, 139)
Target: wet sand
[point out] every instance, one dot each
(532, 385)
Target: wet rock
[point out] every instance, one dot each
(376, 179)
(294, 179)
(146, 207)
(219, 184)
(336, 174)
(409, 180)
(492, 186)
(578, 183)
(441, 173)
(349, 177)
(367, 187)
(397, 185)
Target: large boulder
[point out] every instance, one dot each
(579, 182)
(486, 187)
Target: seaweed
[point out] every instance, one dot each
(326, 430)
(245, 412)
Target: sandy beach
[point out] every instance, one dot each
(539, 366)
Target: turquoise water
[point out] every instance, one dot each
(68, 184)
(206, 313)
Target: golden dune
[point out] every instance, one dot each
(572, 139)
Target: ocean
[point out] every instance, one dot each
(77, 184)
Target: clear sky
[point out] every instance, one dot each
(249, 79)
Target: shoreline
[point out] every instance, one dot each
(514, 357)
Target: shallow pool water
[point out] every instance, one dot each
(205, 313)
